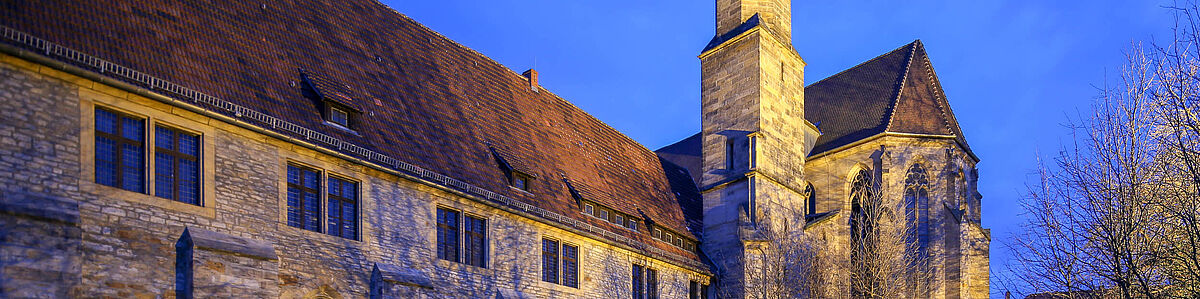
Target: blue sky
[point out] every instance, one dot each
(1012, 70)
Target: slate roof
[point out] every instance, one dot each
(896, 92)
(425, 99)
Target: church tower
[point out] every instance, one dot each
(755, 137)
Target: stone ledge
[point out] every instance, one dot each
(398, 275)
(215, 241)
(511, 294)
(41, 207)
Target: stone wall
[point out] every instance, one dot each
(124, 241)
(888, 159)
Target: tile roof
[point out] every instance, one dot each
(896, 92)
(426, 100)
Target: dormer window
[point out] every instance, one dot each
(339, 117)
(520, 181)
(336, 101)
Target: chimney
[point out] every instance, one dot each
(531, 75)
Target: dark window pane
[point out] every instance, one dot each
(342, 208)
(651, 283)
(637, 282)
(106, 121)
(164, 138)
(570, 266)
(189, 144)
(303, 198)
(549, 260)
(447, 245)
(120, 159)
(131, 128)
(476, 241)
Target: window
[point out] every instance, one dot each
(638, 288)
(549, 261)
(570, 266)
(811, 202)
(604, 214)
(520, 181)
(120, 156)
(693, 289)
(560, 263)
(657, 233)
(475, 238)
(651, 283)
(177, 165)
(633, 225)
(304, 197)
(343, 208)
(588, 209)
(862, 208)
(455, 228)
(645, 282)
(447, 234)
(339, 116)
(620, 220)
(729, 147)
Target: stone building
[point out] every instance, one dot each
(339, 149)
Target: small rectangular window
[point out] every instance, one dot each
(120, 150)
(343, 208)
(604, 214)
(476, 241)
(729, 153)
(588, 209)
(447, 234)
(633, 225)
(520, 180)
(304, 197)
(177, 165)
(657, 233)
(339, 116)
(620, 220)
(549, 260)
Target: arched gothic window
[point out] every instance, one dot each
(810, 204)
(916, 205)
(861, 224)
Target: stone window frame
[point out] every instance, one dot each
(559, 257)
(154, 114)
(460, 237)
(327, 167)
(644, 281)
(119, 140)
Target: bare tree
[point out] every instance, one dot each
(886, 261)
(1118, 214)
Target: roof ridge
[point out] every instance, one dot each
(912, 51)
(943, 103)
(860, 64)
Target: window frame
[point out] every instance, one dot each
(522, 177)
(460, 238)
(559, 260)
(482, 236)
(176, 155)
(119, 140)
(305, 189)
(356, 203)
(454, 229)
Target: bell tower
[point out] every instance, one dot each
(755, 138)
